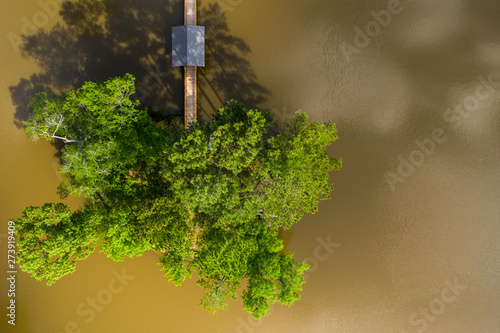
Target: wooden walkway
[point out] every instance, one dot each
(189, 12)
(190, 81)
(190, 95)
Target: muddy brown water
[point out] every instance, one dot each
(409, 241)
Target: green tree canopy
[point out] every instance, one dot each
(210, 198)
(52, 239)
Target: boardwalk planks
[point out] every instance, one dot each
(190, 102)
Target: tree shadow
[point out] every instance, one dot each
(229, 74)
(99, 39)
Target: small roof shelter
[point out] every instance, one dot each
(188, 46)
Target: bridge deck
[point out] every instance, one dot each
(190, 103)
(190, 96)
(190, 12)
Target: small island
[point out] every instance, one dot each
(210, 198)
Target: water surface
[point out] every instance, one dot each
(399, 234)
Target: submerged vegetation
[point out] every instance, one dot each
(210, 198)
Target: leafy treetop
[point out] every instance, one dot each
(210, 198)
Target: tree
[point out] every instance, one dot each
(210, 198)
(295, 174)
(106, 134)
(52, 239)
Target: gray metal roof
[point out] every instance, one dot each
(188, 46)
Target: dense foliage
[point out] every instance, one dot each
(210, 198)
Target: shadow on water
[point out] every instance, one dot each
(230, 74)
(100, 39)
